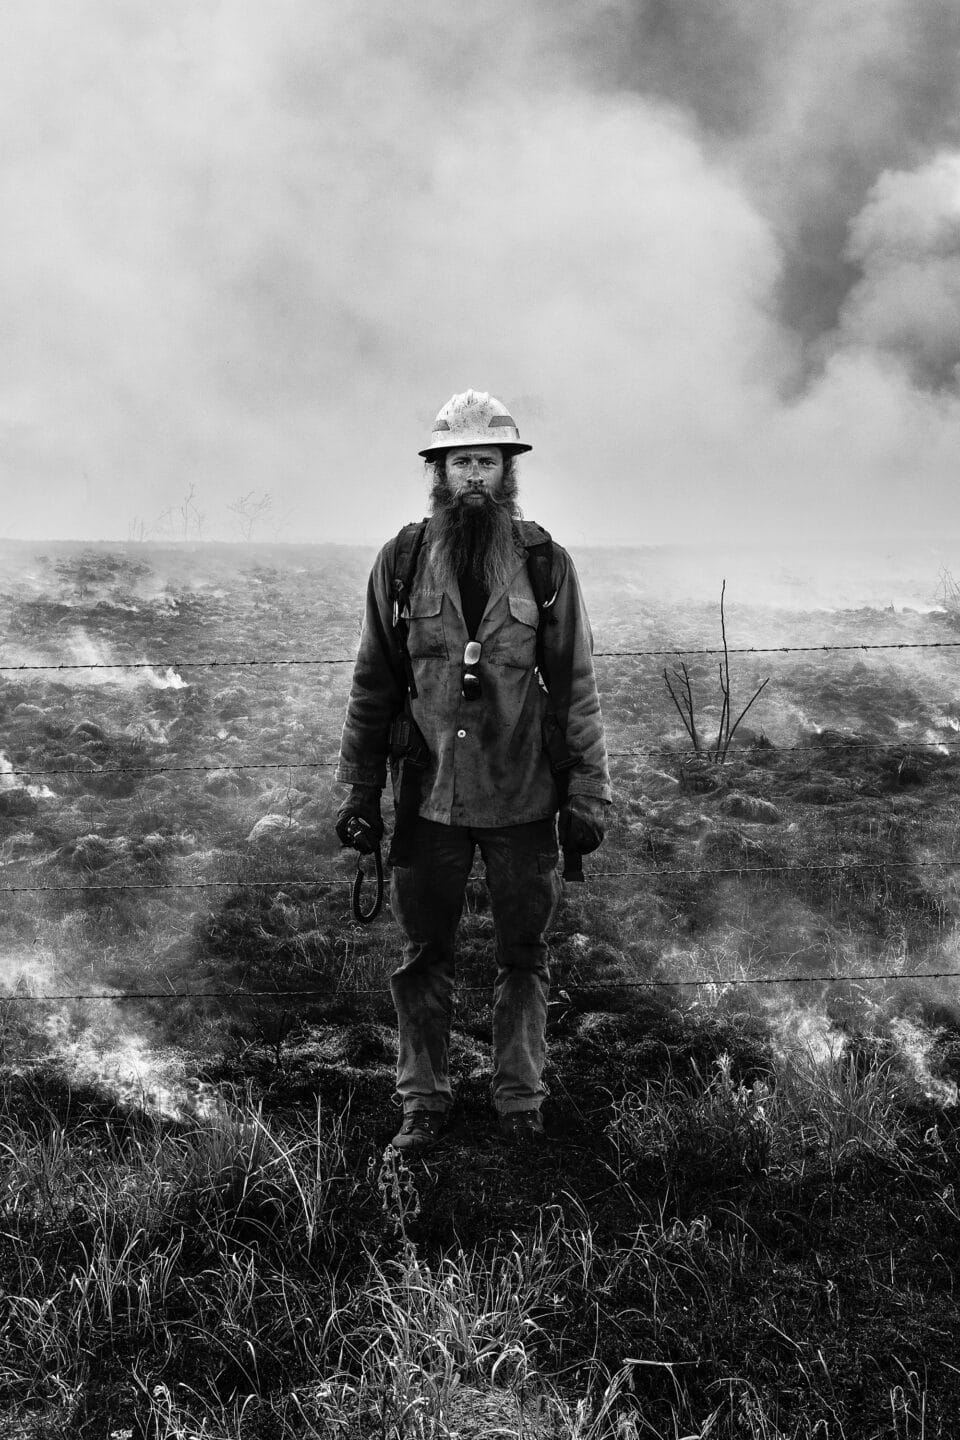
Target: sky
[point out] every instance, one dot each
(707, 251)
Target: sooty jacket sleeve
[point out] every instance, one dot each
(568, 653)
(377, 691)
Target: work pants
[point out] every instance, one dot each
(523, 880)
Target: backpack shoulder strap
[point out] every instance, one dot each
(543, 581)
(406, 557)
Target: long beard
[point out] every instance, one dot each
(468, 537)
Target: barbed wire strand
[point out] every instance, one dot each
(312, 660)
(156, 665)
(813, 868)
(816, 867)
(699, 982)
(783, 649)
(169, 885)
(96, 774)
(832, 746)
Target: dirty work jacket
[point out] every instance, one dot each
(487, 761)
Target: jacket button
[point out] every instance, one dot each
(461, 734)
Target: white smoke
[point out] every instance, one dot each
(806, 1032)
(97, 1042)
(916, 1044)
(86, 650)
(119, 1060)
(169, 680)
(9, 780)
(906, 241)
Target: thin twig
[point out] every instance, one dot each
(746, 708)
(690, 706)
(723, 741)
(686, 715)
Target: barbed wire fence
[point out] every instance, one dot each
(836, 741)
(241, 662)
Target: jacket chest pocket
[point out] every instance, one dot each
(517, 637)
(425, 637)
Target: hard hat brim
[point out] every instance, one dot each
(461, 442)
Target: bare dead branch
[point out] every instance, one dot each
(724, 726)
(249, 510)
(685, 709)
(680, 691)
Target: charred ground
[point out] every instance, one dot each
(749, 1189)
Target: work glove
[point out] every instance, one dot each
(582, 823)
(359, 822)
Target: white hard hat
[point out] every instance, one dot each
(474, 418)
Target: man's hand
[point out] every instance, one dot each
(582, 823)
(359, 822)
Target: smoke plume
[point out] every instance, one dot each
(812, 102)
(706, 249)
(906, 243)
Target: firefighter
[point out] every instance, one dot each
(454, 664)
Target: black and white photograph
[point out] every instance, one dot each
(480, 720)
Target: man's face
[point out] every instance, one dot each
(475, 473)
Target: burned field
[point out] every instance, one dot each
(745, 1222)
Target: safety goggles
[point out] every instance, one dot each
(470, 687)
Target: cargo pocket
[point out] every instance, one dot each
(425, 637)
